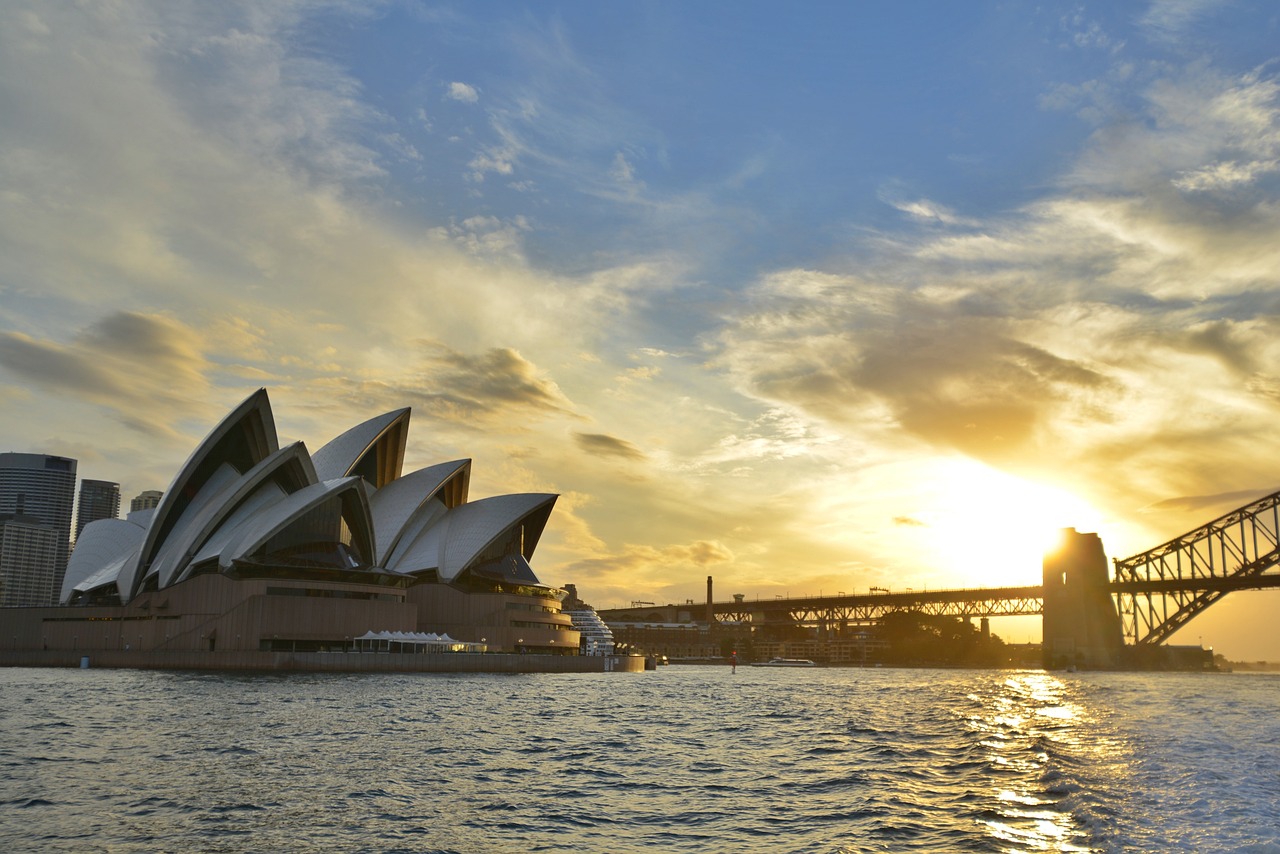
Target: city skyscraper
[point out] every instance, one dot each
(146, 500)
(41, 489)
(99, 499)
(28, 551)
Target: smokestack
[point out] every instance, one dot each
(711, 612)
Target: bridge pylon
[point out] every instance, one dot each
(1081, 624)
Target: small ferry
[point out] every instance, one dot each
(785, 662)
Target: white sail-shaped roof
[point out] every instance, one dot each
(400, 508)
(289, 469)
(101, 543)
(243, 439)
(141, 518)
(421, 551)
(373, 450)
(465, 532)
(278, 517)
(207, 500)
(254, 507)
(107, 576)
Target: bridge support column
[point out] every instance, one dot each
(1081, 627)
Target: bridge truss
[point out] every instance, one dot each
(1160, 590)
(865, 609)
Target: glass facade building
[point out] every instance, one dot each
(99, 499)
(38, 490)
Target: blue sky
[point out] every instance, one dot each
(808, 299)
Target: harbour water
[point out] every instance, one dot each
(682, 759)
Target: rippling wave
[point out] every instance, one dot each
(684, 759)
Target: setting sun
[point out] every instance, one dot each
(988, 528)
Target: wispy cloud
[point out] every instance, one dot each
(1170, 19)
(601, 444)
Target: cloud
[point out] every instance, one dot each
(1170, 20)
(624, 174)
(233, 176)
(463, 92)
(1204, 503)
(487, 236)
(618, 575)
(1222, 176)
(47, 364)
(460, 390)
(126, 362)
(1201, 129)
(497, 159)
(927, 211)
(600, 444)
(1112, 335)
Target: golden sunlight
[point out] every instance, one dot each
(988, 528)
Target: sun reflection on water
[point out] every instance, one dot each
(1030, 726)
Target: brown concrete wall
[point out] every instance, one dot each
(236, 615)
(473, 616)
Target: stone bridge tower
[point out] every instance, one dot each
(1081, 626)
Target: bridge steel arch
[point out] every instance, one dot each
(1160, 590)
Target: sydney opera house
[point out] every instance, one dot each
(257, 548)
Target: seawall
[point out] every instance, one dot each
(325, 662)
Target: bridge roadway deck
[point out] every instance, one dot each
(962, 602)
(967, 602)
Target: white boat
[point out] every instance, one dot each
(785, 662)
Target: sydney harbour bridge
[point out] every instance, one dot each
(1094, 616)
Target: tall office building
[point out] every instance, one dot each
(28, 551)
(41, 489)
(99, 499)
(147, 500)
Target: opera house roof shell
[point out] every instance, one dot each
(245, 507)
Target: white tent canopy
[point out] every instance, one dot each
(386, 641)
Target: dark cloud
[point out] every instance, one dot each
(1222, 500)
(52, 366)
(601, 444)
(951, 374)
(1221, 340)
(139, 337)
(125, 362)
(123, 355)
(965, 384)
(706, 552)
(497, 377)
(463, 389)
